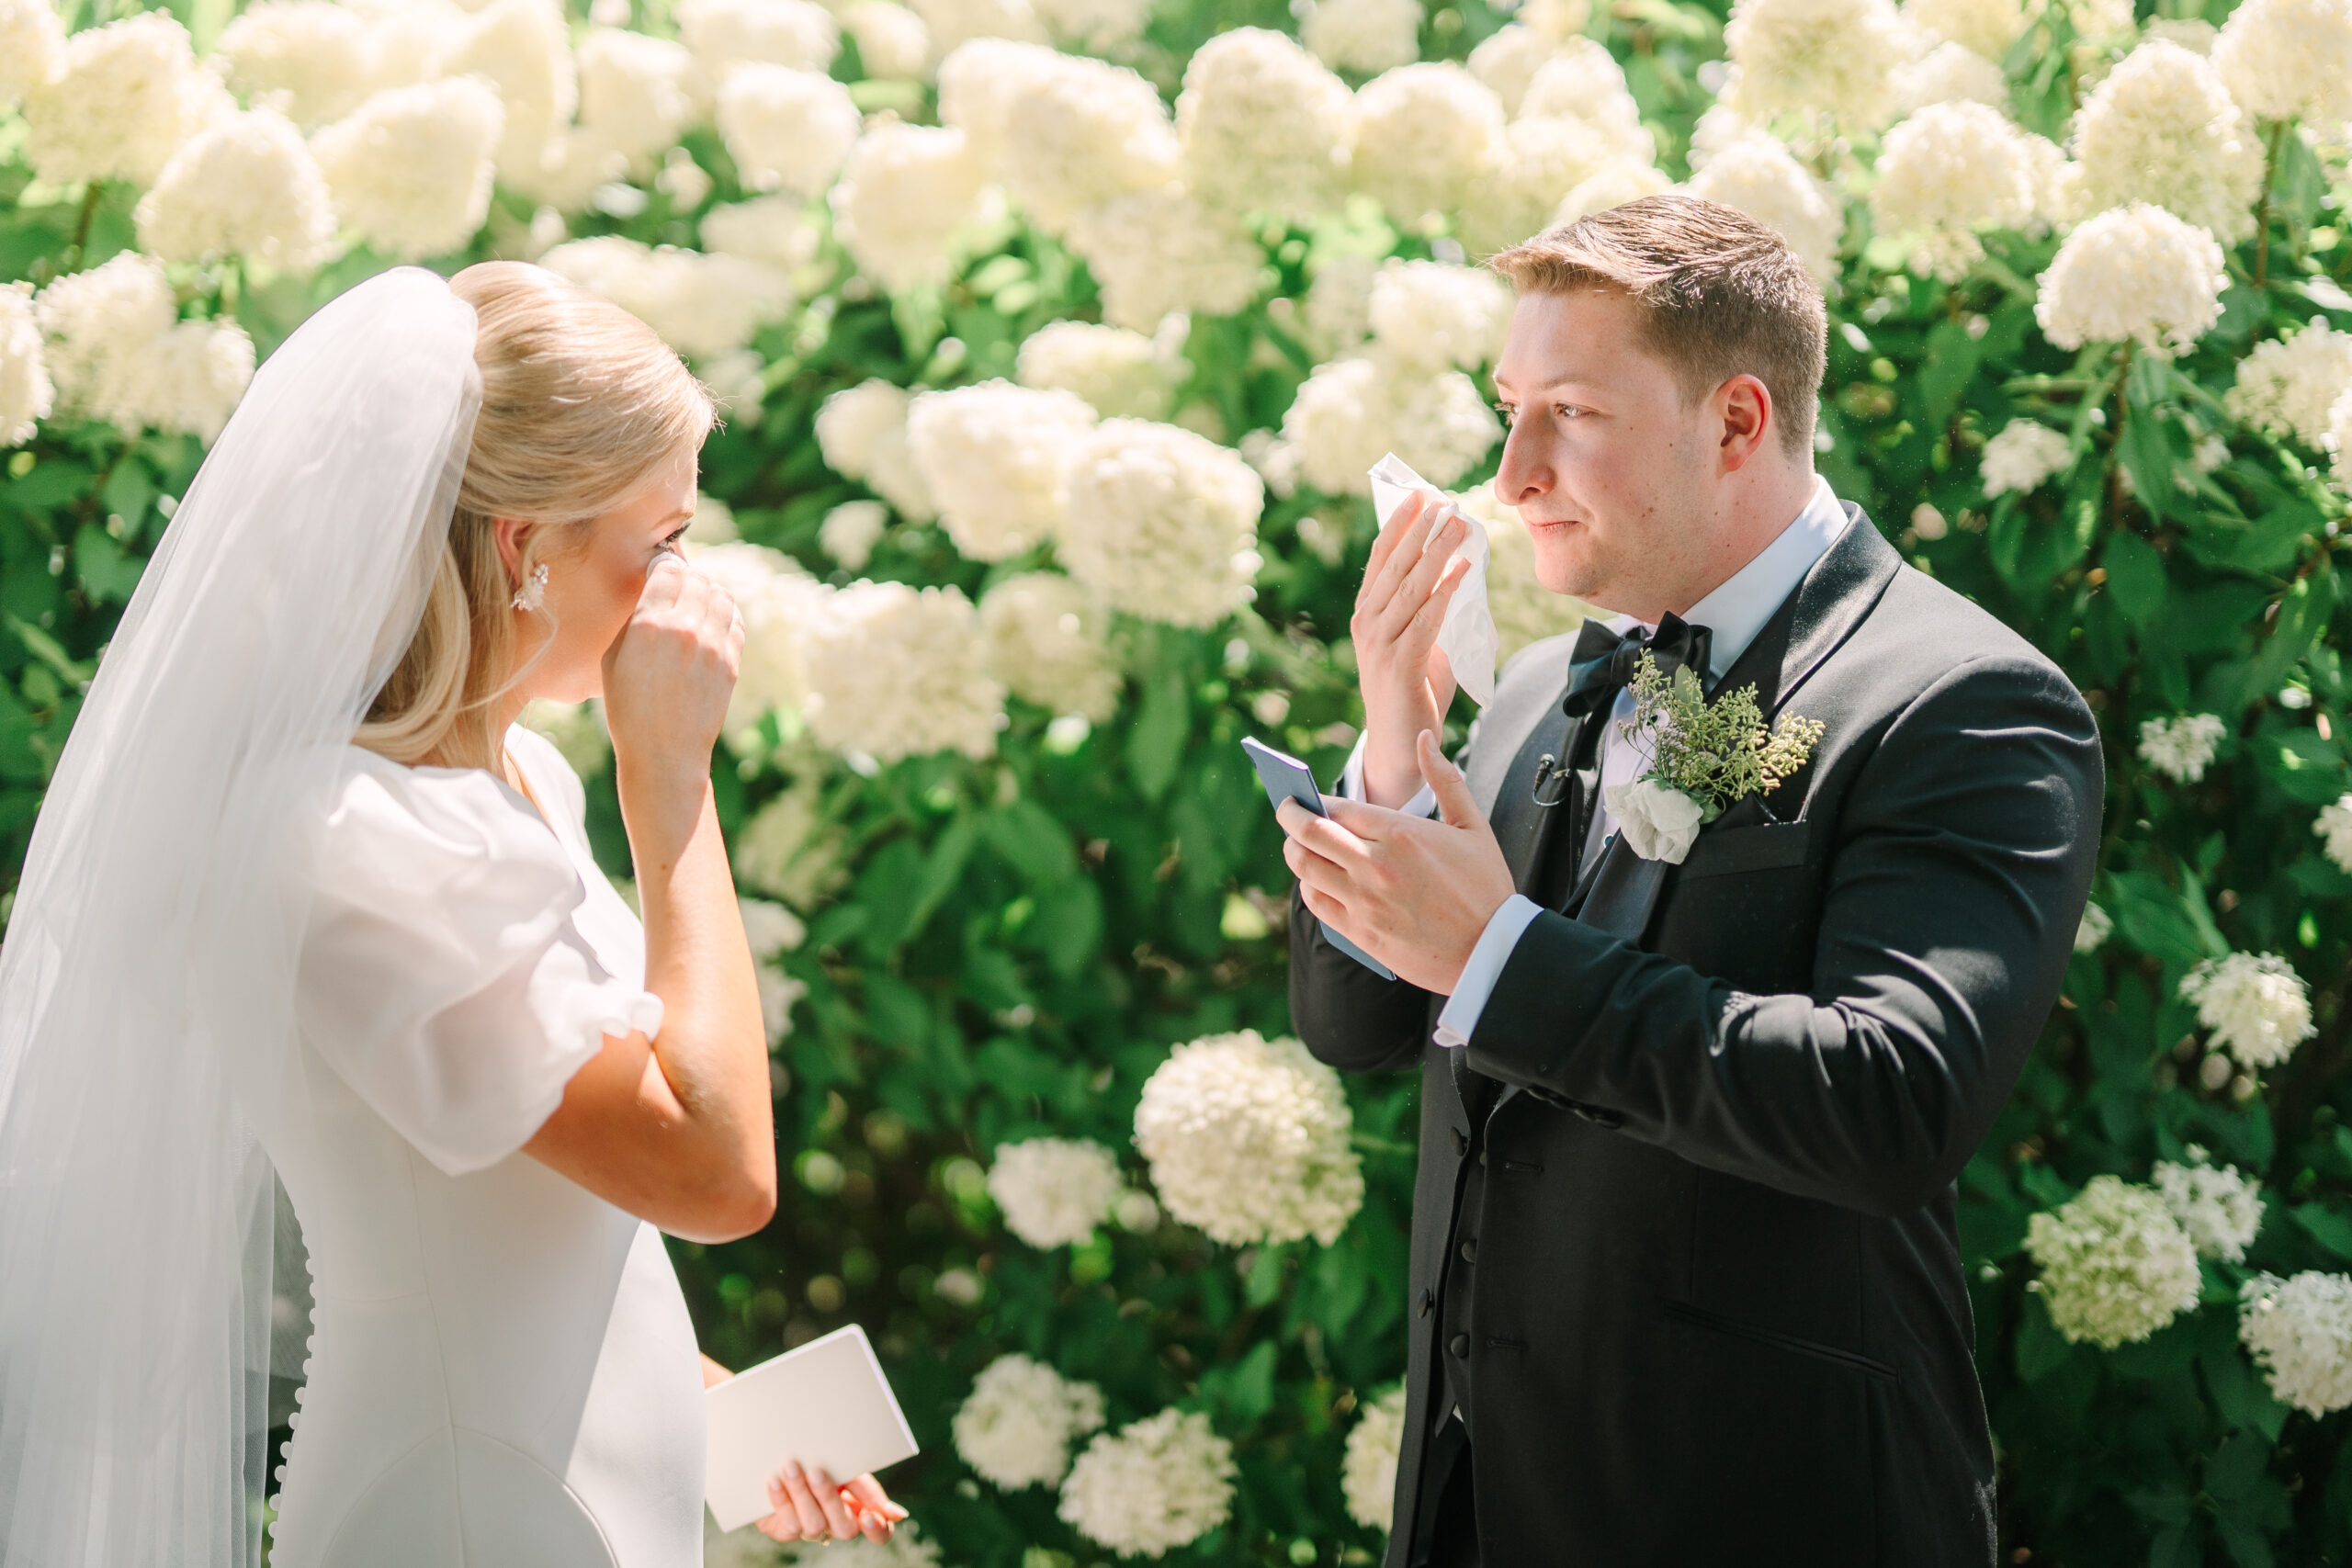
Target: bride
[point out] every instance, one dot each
(305, 901)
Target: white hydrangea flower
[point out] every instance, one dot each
(2219, 1207)
(777, 600)
(1016, 1427)
(702, 305)
(1157, 1485)
(769, 928)
(570, 167)
(2161, 129)
(1350, 411)
(1081, 133)
(1508, 59)
(903, 193)
(308, 60)
(1248, 1139)
(410, 169)
(1098, 27)
(893, 44)
(1364, 36)
(2334, 827)
(786, 128)
(1054, 1191)
(1159, 250)
(1987, 28)
(993, 455)
(32, 46)
(1556, 19)
(1524, 610)
(1615, 183)
(1949, 73)
(123, 99)
(2194, 34)
(778, 992)
(2289, 59)
(1338, 312)
(1948, 171)
(1760, 177)
(638, 91)
(2023, 456)
(1435, 316)
(523, 48)
(850, 532)
(2287, 385)
(724, 34)
(955, 23)
(1583, 82)
(980, 81)
(896, 672)
(1425, 133)
(2135, 272)
(1547, 154)
(27, 394)
(788, 849)
(1264, 126)
(1118, 373)
(577, 728)
(1368, 1472)
(2299, 1332)
(117, 351)
(1161, 523)
(2339, 439)
(862, 433)
(775, 229)
(406, 38)
(2097, 926)
(2115, 1265)
(1048, 642)
(1804, 57)
(2181, 749)
(2257, 1007)
(246, 186)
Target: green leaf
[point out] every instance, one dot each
(2135, 576)
(2041, 1348)
(2241, 1398)
(2232, 1472)
(2325, 1225)
(1035, 841)
(1244, 1392)
(1156, 743)
(106, 572)
(942, 869)
(1950, 364)
(2245, 1541)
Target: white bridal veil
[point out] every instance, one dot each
(147, 976)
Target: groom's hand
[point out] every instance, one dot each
(1406, 682)
(1413, 892)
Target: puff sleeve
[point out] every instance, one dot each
(442, 976)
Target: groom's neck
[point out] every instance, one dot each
(1754, 510)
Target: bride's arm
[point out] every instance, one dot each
(678, 1130)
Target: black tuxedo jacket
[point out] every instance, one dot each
(1695, 1262)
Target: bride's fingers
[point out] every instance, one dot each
(838, 1516)
(804, 1502)
(783, 1524)
(869, 1496)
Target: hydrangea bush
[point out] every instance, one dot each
(1056, 337)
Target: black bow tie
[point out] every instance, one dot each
(1604, 662)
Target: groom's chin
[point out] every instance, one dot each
(1563, 561)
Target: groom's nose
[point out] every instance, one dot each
(1525, 471)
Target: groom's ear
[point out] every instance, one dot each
(1745, 412)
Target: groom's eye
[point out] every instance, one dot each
(1510, 412)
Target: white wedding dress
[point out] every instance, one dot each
(501, 1372)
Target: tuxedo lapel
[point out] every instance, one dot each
(1512, 737)
(1622, 890)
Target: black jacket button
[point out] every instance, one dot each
(1428, 1303)
(1470, 1249)
(1459, 1345)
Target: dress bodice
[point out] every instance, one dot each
(501, 1370)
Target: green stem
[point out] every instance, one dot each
(82, 225)
(2262, 207)
(2115, 447)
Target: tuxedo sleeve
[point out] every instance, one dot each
(1951, 897)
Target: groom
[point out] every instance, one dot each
(1686, 1288)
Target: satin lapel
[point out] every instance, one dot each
(1512, 737)
(1823, 610)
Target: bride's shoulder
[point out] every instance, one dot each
(379, 814)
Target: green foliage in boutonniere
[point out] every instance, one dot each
(1716, 752)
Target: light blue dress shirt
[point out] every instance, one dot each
(1733, 614)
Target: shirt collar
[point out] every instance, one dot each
(1738, 608)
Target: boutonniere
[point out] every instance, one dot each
(1703, 756)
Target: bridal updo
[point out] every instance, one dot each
(580, 400)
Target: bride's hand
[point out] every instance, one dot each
(811, 1505)
(667, 677)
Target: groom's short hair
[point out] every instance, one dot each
(1719, 294)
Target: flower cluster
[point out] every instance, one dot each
(2115, 1265)
(2255, 1005)
(1368, 1473)
(1054, 1191)
(1016, 1427)
(1153, 1485)
(1046, 641)
(1161, 523)
(2023, 456)
(2300, 1331)
(898, 671)
(2181, 749)
(2287, 385)
(2219, 1207)
(2134, 273)
(1248, 1139)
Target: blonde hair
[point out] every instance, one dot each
(580, 400)
(1720, 296)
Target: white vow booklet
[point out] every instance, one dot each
(825, 1404)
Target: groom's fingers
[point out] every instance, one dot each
(1446, 782)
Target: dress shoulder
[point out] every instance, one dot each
(442, 975)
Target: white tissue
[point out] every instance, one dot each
(1468, 635)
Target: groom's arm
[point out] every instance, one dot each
(1965, 851)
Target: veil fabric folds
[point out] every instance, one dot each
(148, 972)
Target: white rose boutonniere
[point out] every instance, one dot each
(1703, 756)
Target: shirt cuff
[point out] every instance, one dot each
(1350, 786)
(1504, 927)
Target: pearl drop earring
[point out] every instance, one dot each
(532, 595)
